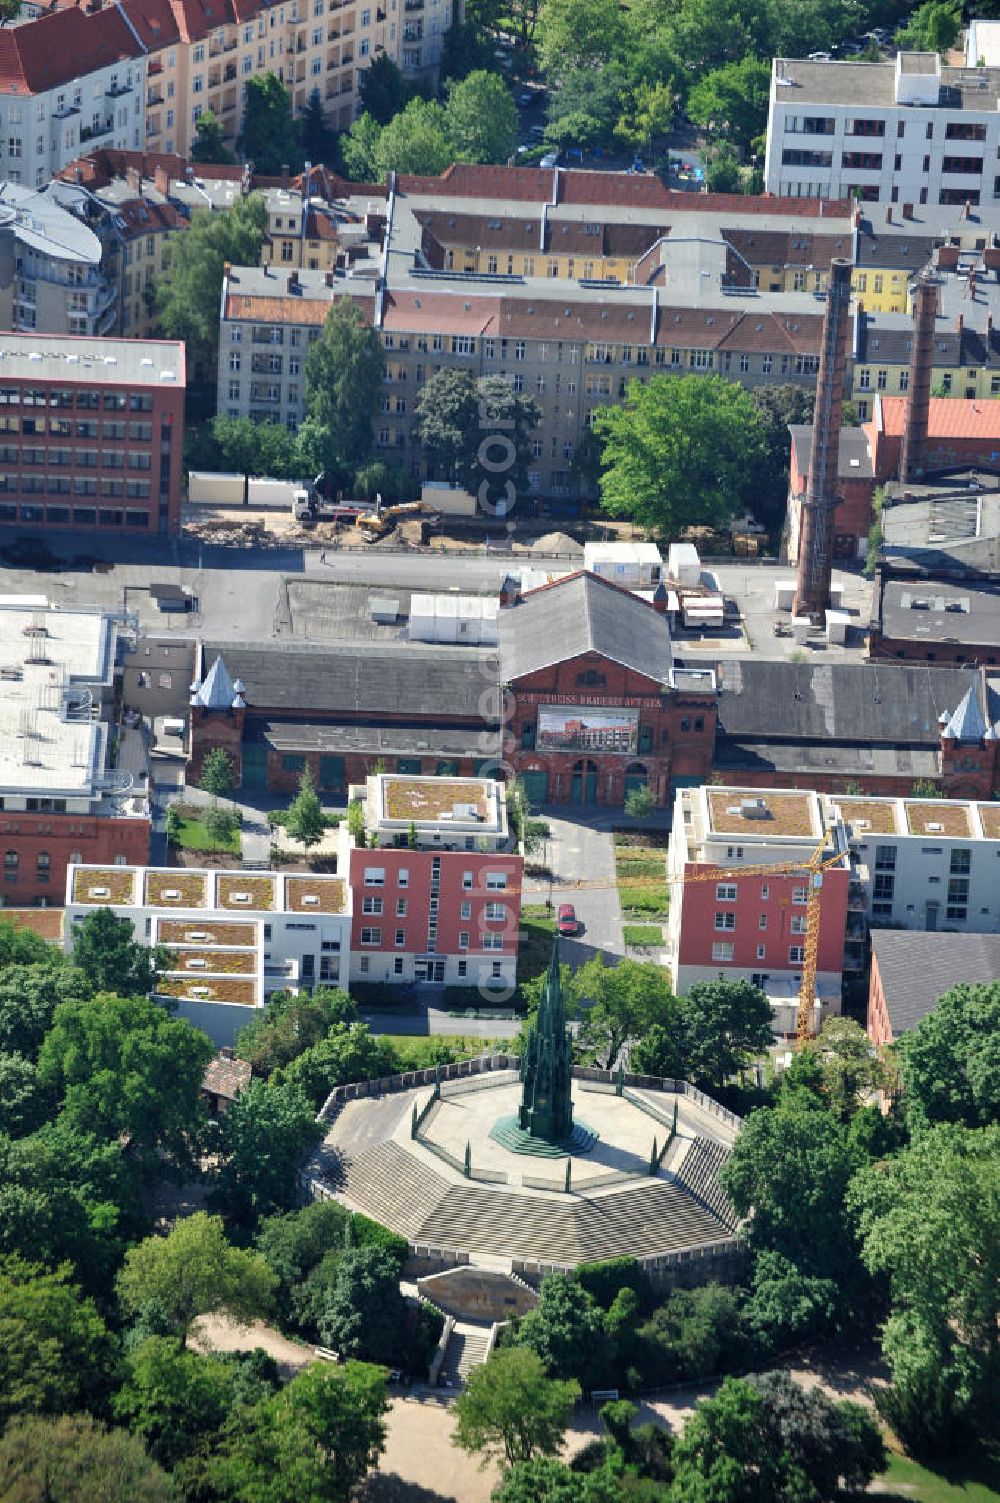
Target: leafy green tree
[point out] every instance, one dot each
(929, 1221)
(29, 996)
(24, 1103)
(270, 137)
(447, 420)
(416, 140)
(695, 1333)
(253, 448)
(566, 1330)
(173, 1399)
(792, 1165)
(349, 1052)
(639, 802)
(217, 773)
(680, 452)
(292, 1023)
(722, 172)
(294, 1242)
(344, 370)
(660, 1051)
(56, 1353)
(455, 412)
(73, 1459)
(587, 108)
(265, 1134)
(209, 144)
(305, 821)
(512, 1409)
(188, 291)
(836, 1447)
(732, 101)
(23, 947)
(949, 1065)
(382, 89)
(778, 407)
(168, 1282)
(112, 961)
(851, 1070)
(724, 1455)
(724, 1024)
(108, 1059)
(316, 1439)
(545, 1480)
(481, 118)
(464, 50)
(221, 825)
(932, 27)
(365, 1313)
(578, 34)
(358, 147)
(66, 1195)
(787, 1305)
(317, 140)
(619, 1003)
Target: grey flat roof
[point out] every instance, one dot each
(362, 680)
(891, 704)
(106, 362)
(781, 758)
(916, 969)
(388, 740)
(39, 221)
(974, 616)
(895, 252)
(581, 614)
(854, 461)
(870, 84)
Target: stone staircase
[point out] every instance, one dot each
(466, 1349)
(699, 1173)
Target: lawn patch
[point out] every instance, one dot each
(643, 936)
(191, 835)
(918, 1484)
(534, 944)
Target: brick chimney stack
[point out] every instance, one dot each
(918, 400)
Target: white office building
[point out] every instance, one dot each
(910, 131)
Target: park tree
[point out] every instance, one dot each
(209, 143)
(566, 1331)
(511, 1408)
(648, 115)
(316, 1439)
(172, 1399)
(680, 452)
(29, 996)
(447, 420)
(835, 1447)
(578, 34)
(168, 1282)
(291, 1023)
(253, 448)
(74, 1459)
(188, 291)
(364, 1313)
(344, 370)
(349, 1052)
(932, 27)
(724, 1024)
(317, 140)
(221, 826)
(791, 1167)
(660, 1050)
(850, 1068)
(264, 1135)
(305, 821)
(722, 170)
(416, 140)
(217, 775)
(56, 1353)
(294, 1242)
(787, 1305)
(778, 407)
(929, 1222)
(619, 1003)
(461, 422)
(112, 961)
(949, 1065)
(481, 118)
(731, 102)
(465, 50)
(270, 137)
(693, 1334)
(24, 1101)
(586, 109)
(107, 1060)
(382, 89)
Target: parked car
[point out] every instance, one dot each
(567, 922)
(550, 159)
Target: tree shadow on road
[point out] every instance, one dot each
(389, 1487)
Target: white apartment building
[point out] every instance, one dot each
(908, 132)
(234, 936)
(68, 81)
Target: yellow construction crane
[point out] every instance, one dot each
(812, 870)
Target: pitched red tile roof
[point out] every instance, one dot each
(58, 48)
(949, 417)
(154, 21)
(144, 218)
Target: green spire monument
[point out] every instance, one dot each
(547, 1066)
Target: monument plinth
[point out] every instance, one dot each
(544, 1123)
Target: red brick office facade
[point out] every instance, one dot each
(35, 850)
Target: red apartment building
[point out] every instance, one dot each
(753, 927)
(447, 908)
(91, 434)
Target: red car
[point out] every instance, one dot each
(567, 923)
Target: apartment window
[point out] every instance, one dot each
(800, 895)
(371, 936)
(864, 379)
(397, 965)
(463, 939)
(882, 380)
(466, 911)
(400, 938)
(403, 877)
(10, 861)
(725, 921)
(734, 853)
(492, 942)
(467, 880)
(725, 892)
(375, 876)
(496, 881)
(796, 954)
(761, 952)
(798, 924)
(765, 892)
(762, 921)
(722, 950)
(371, 905)
(885, 858)
(961, 861)
(401, 907)
(496, 912)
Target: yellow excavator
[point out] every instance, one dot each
(375, 524)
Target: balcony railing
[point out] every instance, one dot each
(116, 90)
(101, 128)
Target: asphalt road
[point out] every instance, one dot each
(579, 852)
